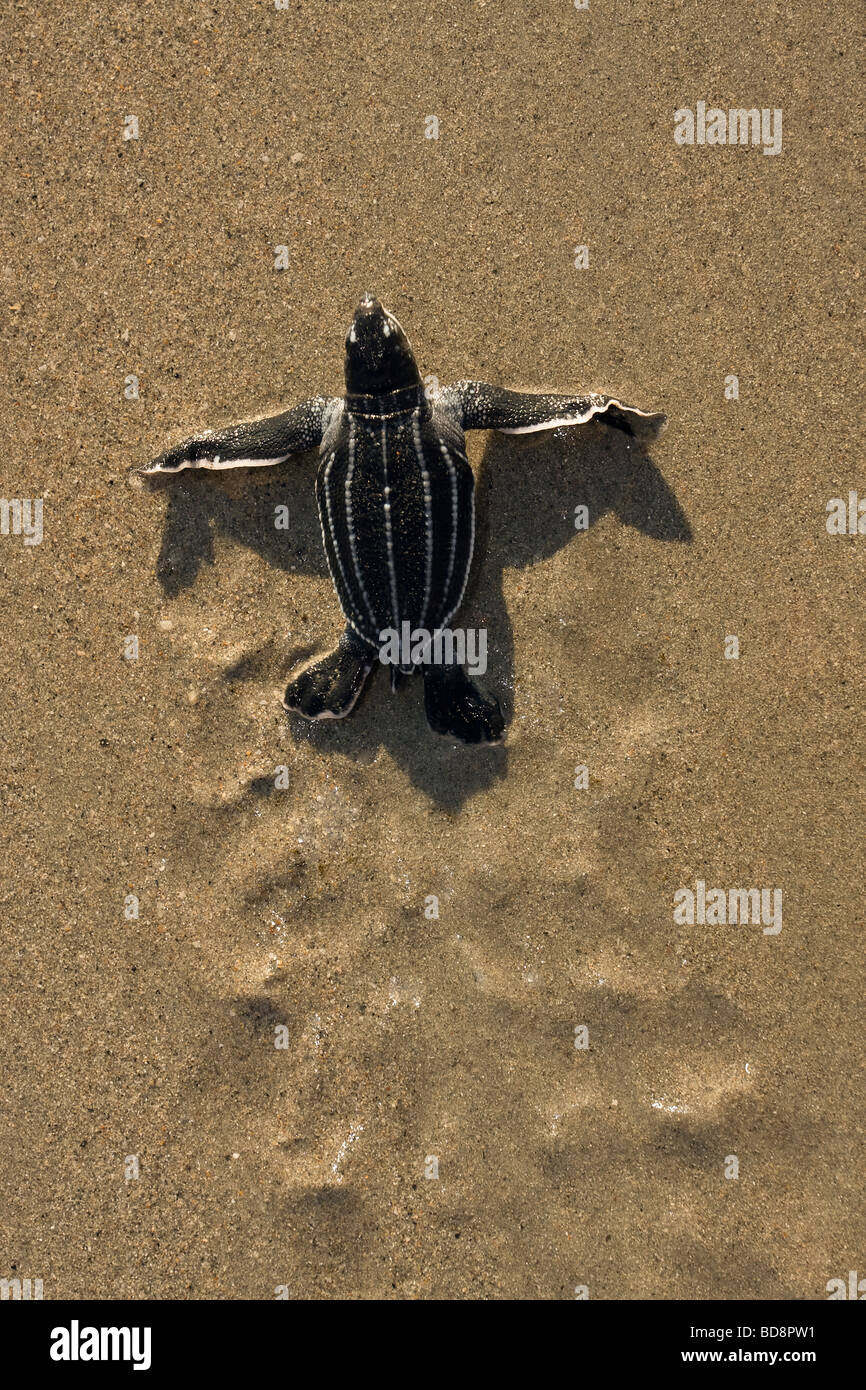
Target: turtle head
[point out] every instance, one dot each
(378, 355)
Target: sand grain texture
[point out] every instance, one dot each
(410, 1037)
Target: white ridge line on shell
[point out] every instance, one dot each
(452, 555)
(350, 524)
(449, 616)
(428, 514)
(389, 535)
(326, 478)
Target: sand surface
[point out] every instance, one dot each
(412, 1037)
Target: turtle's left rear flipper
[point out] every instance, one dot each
(329, 689)
(251, 444)
(480, 406)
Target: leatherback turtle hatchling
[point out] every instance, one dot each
(396, 501)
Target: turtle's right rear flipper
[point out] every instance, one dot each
(479, 406)
(455, 706)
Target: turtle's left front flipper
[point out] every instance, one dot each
(480, 406)
(252, 444)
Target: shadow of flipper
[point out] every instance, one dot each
(241, 505)
(187, 541)
(531, 484)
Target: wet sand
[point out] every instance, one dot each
(411, 1037)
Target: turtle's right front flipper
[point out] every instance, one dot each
(252, 444)
(479, 406)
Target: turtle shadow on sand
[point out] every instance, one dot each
(527, 489)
